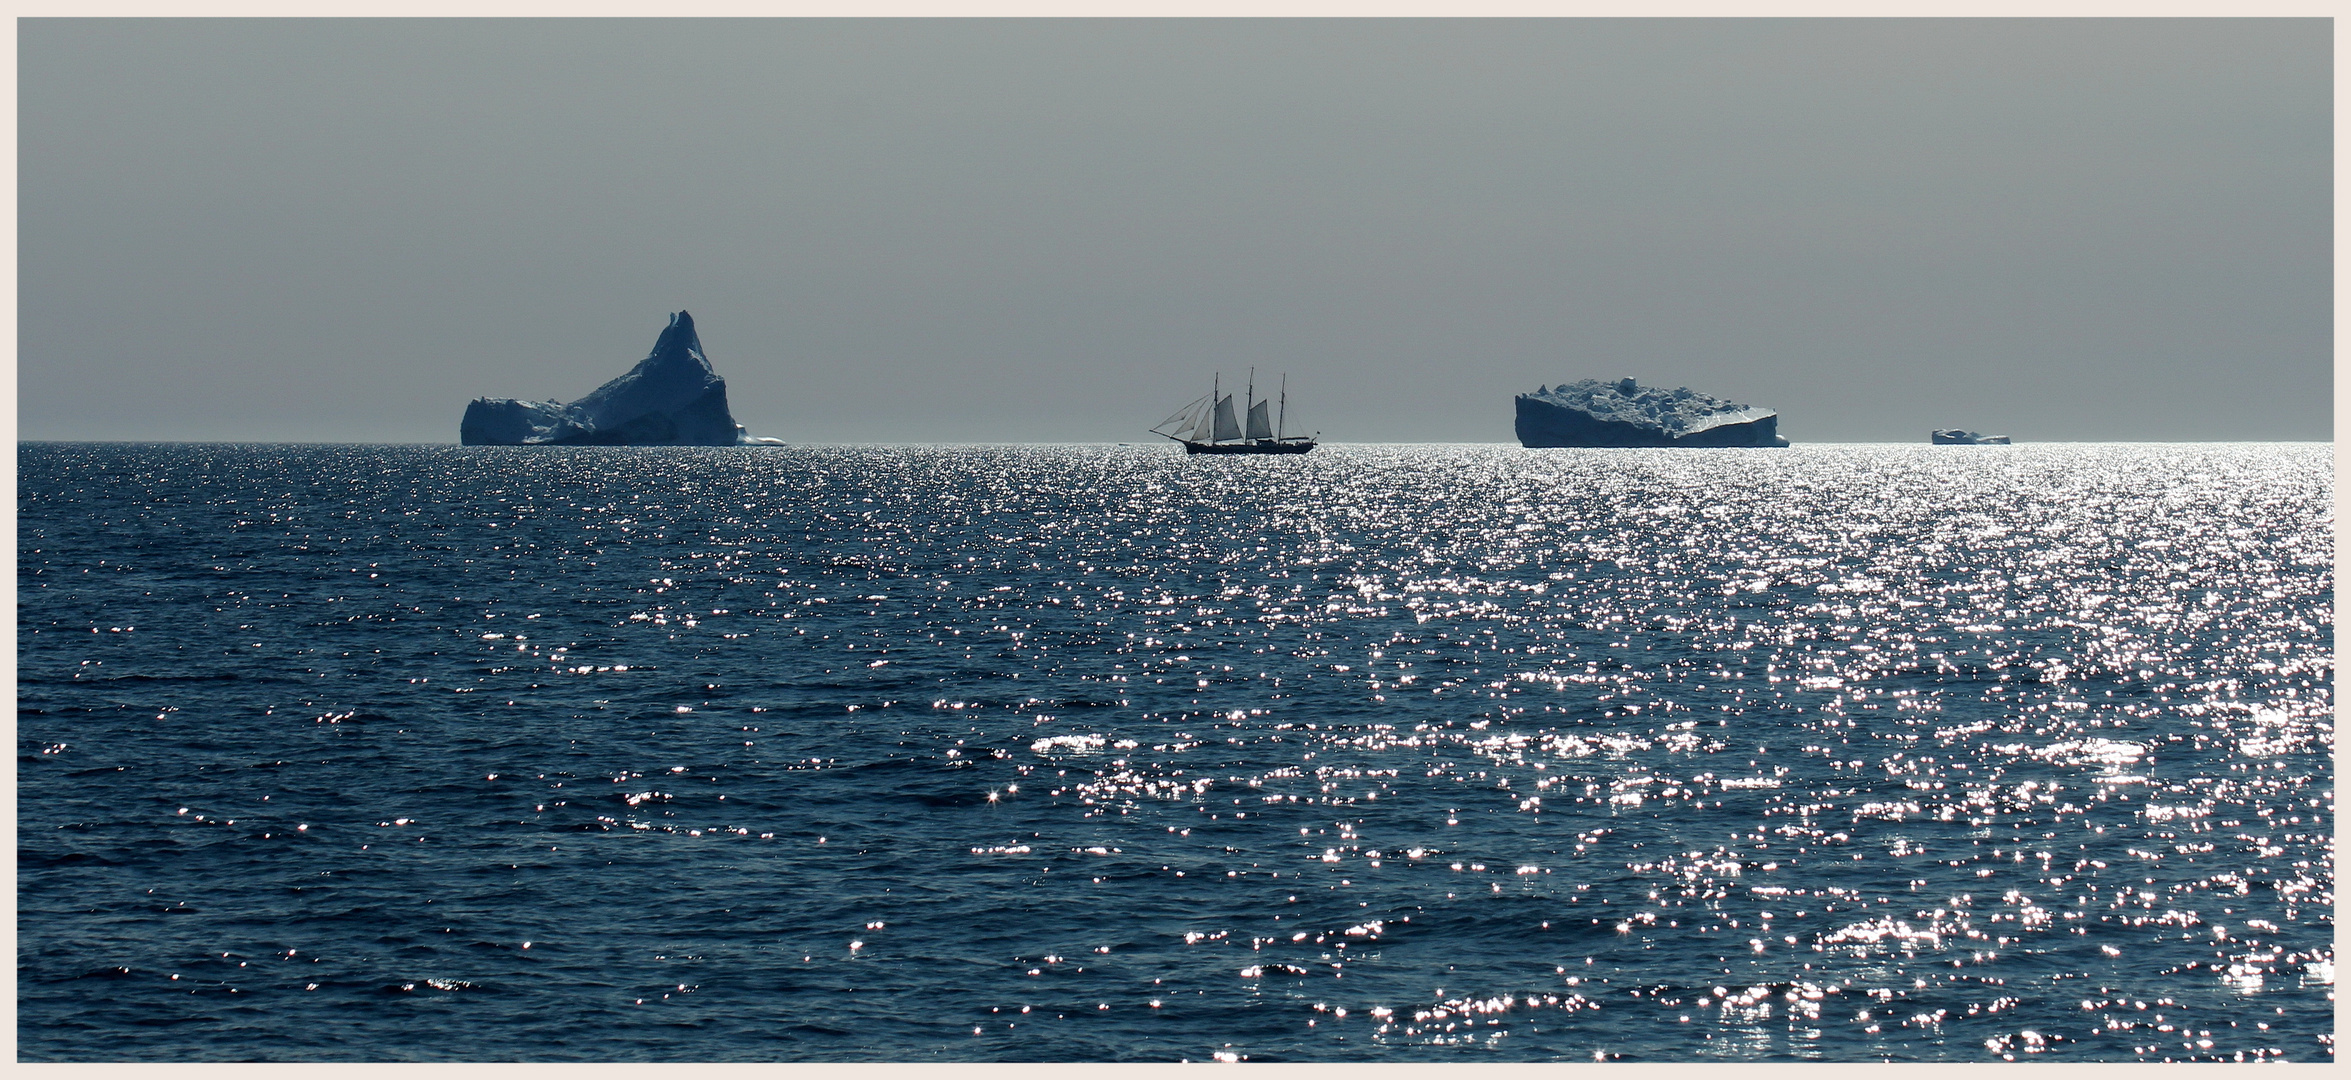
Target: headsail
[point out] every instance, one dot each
(1184, 415)
(1205, 428)
(1226, 428)
(1260, 426)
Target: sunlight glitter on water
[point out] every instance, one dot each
(1909, 754)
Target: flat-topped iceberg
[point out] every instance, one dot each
(671, 398)
(1624, 413)
(1957, 437)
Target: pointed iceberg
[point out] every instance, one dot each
(671, 398)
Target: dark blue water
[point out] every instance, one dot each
(1093, 753)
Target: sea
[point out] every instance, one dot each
(1386, 753)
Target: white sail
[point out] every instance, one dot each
(1260, 427)
(1192, 428)
(1183, 414)
(1203, 423)
(1226, 428)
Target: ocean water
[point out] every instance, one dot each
(1386, 753)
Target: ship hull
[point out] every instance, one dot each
(1265, 446)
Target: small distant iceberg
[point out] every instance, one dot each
(671, 398)
(1956, 437)
(1594, 412)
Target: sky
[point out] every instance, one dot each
(1057, 231)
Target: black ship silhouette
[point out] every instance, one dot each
(1209, 426)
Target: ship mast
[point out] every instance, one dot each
(1248, 404)
(1285, 412)
(1214, 388)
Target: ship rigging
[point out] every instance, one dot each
(1209, 426)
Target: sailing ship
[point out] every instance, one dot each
(1209, 426)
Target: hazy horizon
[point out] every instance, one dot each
(1323, 443)
(1052, 231)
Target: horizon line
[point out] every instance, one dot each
(1100, 442)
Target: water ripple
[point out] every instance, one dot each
(1099, 753)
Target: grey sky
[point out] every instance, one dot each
(1041, 231)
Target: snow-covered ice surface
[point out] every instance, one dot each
(671, 398)
(1958, 437)
(1594, 412)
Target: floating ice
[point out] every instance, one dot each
(671, 398)
(1625, 413)
(1956, 437)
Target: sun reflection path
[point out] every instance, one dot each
(1384, 754)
